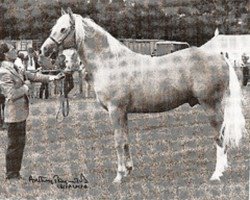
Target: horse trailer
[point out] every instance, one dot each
(166, 47)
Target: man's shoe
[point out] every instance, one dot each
(18, 177)
(14, 180)
(13, 175)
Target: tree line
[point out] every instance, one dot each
(191, 20)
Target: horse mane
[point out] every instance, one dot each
(80, 33)
(82, 25)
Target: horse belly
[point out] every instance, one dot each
(152, 108)
(141, 103)
(143, 90)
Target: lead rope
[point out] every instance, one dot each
(64, 102)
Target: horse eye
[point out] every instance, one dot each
(62, 30)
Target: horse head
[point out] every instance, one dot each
(62, 35)
(89, 39)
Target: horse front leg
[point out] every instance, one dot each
(128, 157)
(119, 121)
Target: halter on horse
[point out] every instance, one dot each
(127, 82)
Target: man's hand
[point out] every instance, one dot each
(28, 83)
(57, 77)
(60, 76)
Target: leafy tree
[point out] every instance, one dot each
(154, 22)
(190, 21)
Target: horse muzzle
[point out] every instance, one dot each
(48, 48)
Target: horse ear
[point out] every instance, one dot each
(63, 12)
(216, 32)
(72, 18)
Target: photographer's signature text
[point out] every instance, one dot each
(80, 182)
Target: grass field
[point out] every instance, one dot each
(173, 153)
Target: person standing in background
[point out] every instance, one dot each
(31, 63)
(46, 66)
(31, 60)
(68, 83)
(246, 67)
(2, 100)
(19, 62)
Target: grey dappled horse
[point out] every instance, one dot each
(128, 82)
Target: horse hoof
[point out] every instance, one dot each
(118, 179)
(215, 177)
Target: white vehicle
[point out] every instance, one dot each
(166, 47)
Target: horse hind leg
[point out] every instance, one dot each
(118, 118)
(221, 160)
(214, 112)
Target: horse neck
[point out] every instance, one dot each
(97, 47)
(102, 49)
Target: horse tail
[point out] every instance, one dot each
(233, 126)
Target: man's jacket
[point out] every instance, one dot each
(12, 86)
